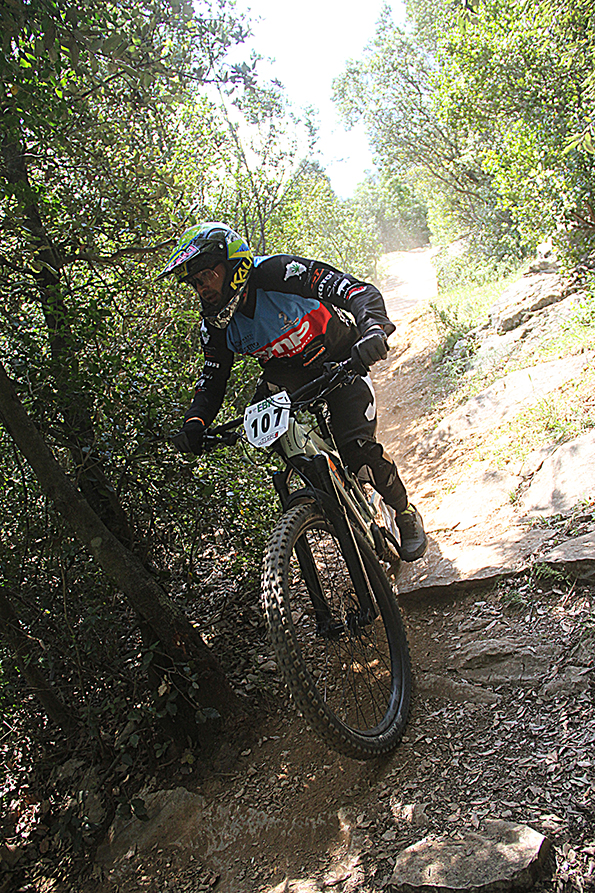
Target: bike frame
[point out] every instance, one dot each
(315, 460)
(328, 483)
(299, 442)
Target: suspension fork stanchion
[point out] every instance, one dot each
(338, 517)
(280, 479)
(305, 559)
(308, 567)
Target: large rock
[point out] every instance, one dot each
(483, 490)
(577, 673)
(213, 830)
(448, 567)
(576, 556)
(431, 685)
(501, 661)
(492, 349)
(172, 815)
(565, 478)
(530, 294)
(506, 856)
(506, 398)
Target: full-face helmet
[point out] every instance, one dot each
(204, 246)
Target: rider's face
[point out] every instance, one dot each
(209, 284)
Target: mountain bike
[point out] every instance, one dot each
(331, 613)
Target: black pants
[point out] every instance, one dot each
(353, 421)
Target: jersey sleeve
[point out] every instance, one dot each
(210, 388)
(313, 279)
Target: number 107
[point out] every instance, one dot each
(265, 421)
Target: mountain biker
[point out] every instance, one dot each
(293, 315)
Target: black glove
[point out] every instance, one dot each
(368, 350)
(189, 439)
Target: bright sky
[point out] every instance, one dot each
(310, 42)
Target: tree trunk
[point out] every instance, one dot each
(21, 646)
(71, 399)
(180, 640)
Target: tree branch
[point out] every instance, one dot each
(107, 260)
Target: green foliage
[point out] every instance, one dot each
(488, 109)
(546, 573)
(396, 90)
(518, 593)
(459, 268)
(451, 325)
(555, 419)
(106, 142)
(466, 294)
(91, 112)
(392, 208)
(315, 223)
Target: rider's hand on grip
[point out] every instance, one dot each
(368, 350)
(190, 438)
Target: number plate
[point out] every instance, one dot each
(264, 422)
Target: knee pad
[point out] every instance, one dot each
(368, 454)
(367, 459)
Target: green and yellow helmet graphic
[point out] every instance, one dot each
(201, 245)
(204, 246)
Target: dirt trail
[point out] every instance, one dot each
(407, 277)
(497, 537)
(409, 285)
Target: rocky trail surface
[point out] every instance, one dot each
(493, 786)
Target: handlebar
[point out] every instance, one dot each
(312, 392)
(335, 375)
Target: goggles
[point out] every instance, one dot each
(202, 279)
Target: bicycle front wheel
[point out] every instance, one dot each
(350, 677)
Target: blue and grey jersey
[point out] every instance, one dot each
(297, 314)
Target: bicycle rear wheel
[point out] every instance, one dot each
(351, 679)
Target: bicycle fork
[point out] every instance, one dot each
(335, 511)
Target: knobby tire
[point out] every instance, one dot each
(351, 680)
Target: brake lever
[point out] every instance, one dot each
(213, 441)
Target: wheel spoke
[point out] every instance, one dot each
(357, 662)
